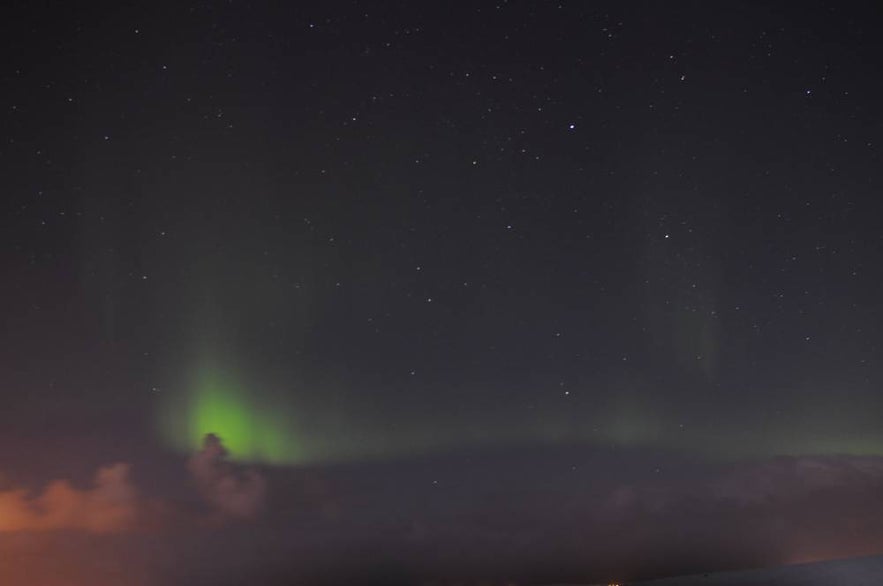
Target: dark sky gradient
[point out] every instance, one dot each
(384, 248)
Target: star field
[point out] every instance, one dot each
(452, 223)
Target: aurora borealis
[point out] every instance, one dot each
(218, 404)
(405, 293)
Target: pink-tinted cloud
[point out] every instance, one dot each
(111, 505)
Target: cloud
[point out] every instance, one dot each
(234, 492)
(108, 533)
(788, 509)
(110, 506)
(775, 482)
(617, 517)
(797, 477)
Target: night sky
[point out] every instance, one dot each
(514, 291)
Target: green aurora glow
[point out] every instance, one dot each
(217, 404)
(257, 426)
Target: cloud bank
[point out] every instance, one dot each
(581, 524)
(111, 505)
